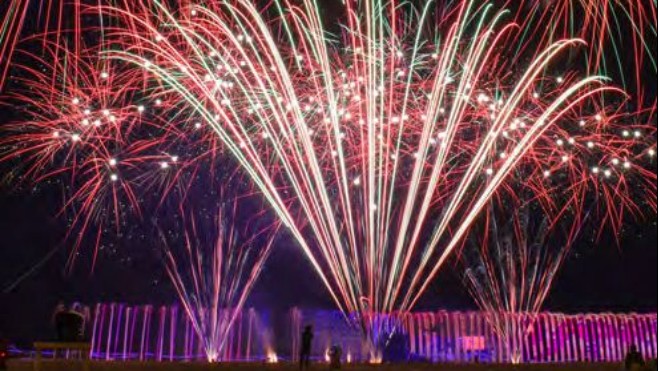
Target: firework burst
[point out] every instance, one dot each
(378, 149)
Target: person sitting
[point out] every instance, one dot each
(634, 360)
(69, 326)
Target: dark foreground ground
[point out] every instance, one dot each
(116, 366)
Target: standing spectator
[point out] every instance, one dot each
(307, 346)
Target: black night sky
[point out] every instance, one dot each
(599, 276)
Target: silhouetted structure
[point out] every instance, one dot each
(69, 326)
(4, 352)
(634, 359)
(335, 357)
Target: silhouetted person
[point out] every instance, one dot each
(307, 346)
(335, 357)
(634, 359)
(69, 326)
(60, 308)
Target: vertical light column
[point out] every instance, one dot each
(146, 330)
(173, 323)
(653, 329)
(162, 320)
(432, 336)
(445, 335)
(238, 351)
(96, 328)
(110, 327)
(186, 341)
(126, 334)
(617, 341)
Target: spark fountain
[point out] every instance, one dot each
(214, 271)
(510, 267)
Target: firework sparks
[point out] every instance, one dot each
(53, 21)
(96, 132)
(388, 144)
(620, 32)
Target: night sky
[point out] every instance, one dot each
(599, 276)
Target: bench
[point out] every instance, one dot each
(83, 348)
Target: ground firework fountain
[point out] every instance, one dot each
(510, 267)
(214, 272)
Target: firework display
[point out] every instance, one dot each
(390, 144)
(85, 133)
(379, 143)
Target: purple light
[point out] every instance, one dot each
(435, 337)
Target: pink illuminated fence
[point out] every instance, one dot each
(546, 338)
(122, 332)
(164, 334)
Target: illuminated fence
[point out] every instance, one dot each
(546, 338)
(164, 334)
(121, 332)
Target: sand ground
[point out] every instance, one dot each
(18, 365)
